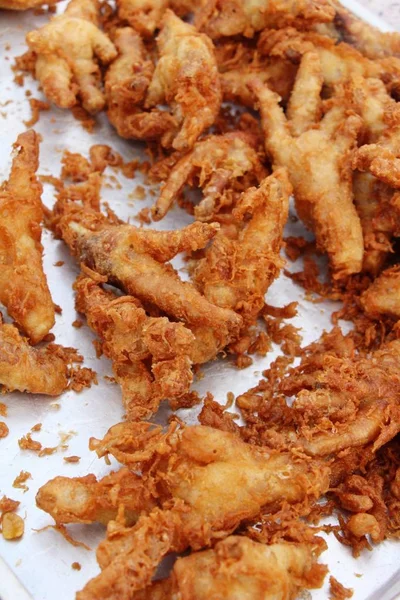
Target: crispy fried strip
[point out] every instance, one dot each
(23, 284)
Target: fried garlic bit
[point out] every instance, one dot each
(23, 284)
(24, 4)
(238, 567)
(131, 339)
(206, 482)
(27, 369)
(220, 18)
(217, 162)
(126, 83)
(87, 500)
(383, 295)
(66, 50)
(239, 268)
(186, 78)
(317, 154)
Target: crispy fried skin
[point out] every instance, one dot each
(27, 369)
(126, 83)
(88, 500)
(24, 4)
(186, 78)
(319, 164)
(130, 338)
(217, 162)
(145, 16)
(207, 480)
(66, 50)
(23, 284)
(238, 567)
(383, 295)
(236, 273)
(219, 18)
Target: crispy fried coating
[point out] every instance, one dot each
(145, 16)
(24, 4)
(217, 163)
(220, 18)
(27, 369)
(207, 481)
(126, 82)
(238, 567)
(88, 500)
(383, 295)
(186, 78)
(318, 158)
(236, 272)
(66, 50)
(23, 284)
(131, 339)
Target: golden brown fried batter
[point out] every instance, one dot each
(207, 482)
(237, 270)
(132, 341)
(24, 4)
(318, 158)
(220, 18)
(66, 50)
(383, 295)
(88, 500)
(27, 369)
(145, 16)
(217, 163)
(126, 83)
(186, 78)
(23, 284)
(240, 568)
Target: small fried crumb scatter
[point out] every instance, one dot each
(3, 409)
(76, 566)
(8, 505)
(4, 431)
(19, 481)
(338, 591)
(72, 459)
(12, 526)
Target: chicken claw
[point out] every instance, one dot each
(23, 285)
(186, 78)
(218, 162)
(66, 49)
(324, 198)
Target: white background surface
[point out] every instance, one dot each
(42, 561)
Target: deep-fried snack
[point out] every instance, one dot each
(319, 163)
(145, 16)
(240, 568)
(186, 78)
(24, 4)
(217, 162)
(88, 500)
(383, 295)
(132, 340)
(237, 270)
(66, 49)
(219, 18)
(126, 82)
(27, 369)
(23, 284)
(207, 482)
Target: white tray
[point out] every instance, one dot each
(42, 561)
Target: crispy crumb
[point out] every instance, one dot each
(55, 406)
(3, 409)
(12, 526)
(19, 481)
(338, 591)
(50, 337)
(84, 118)
(187, 401)
(27, 443)
(109, 378)
(81, 377)
(143, 216)
(76, 566)
(59, 263)
(77, 324)
(243, 361)
(37, 427)
(72, 459)
(4, 431)
(58, 309)
(36, 107)
(8, 505)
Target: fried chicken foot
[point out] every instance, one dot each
(129, 338)
(186, 78)
(218, 162)
(27, 369)
(383, 295)
(23, 284)
(126, 83)
(208, 481)
(87, 500)
(324, 199)
(236, 273)
(238, 567)
(66, 49)
(219, 18)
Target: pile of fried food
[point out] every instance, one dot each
(317, 438)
